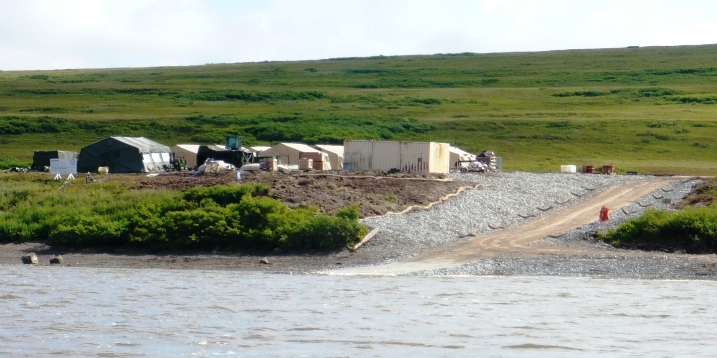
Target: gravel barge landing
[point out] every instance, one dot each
(527, 239)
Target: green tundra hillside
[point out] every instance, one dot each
(652, 110)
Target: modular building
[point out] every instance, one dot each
(41, 158)
(424, 157)
(124, 155)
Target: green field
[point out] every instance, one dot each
(652, 110)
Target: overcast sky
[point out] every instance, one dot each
(57, 34)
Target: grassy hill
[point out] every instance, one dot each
(646, 109)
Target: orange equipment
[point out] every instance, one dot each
(605, 213)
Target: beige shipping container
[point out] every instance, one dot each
(386, 155)
(358, 154)
(439, 161)
(425, 157)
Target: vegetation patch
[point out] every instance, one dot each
(254, 96)
(693, 230)
(230, 217)
(698, 99)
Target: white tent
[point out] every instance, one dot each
(458, 154)
(188, 152)
(336, 154)
(258, 150)
(288, 153)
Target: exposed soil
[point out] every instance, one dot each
(703, 195)
(376, 193)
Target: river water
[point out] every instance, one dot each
(61, 311)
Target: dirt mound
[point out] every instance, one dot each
(376, 193)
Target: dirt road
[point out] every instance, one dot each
(523, 240)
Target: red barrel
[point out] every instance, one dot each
(588, 169)
(608, 169)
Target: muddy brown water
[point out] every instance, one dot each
(90, 312)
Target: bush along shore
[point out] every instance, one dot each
(227, 217)
(693, 229)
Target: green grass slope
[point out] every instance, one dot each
(647, 109)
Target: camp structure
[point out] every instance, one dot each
(288, 153)
(336, 154)
(460, 158)
(236, 157)
(41, 158)
(124, 155)
(187, 153)
(258, 150)
(421, 157)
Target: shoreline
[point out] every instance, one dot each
(604, 262)
(576, 254)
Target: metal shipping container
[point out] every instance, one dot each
(427, 157)
(358, 154)
(386, 155)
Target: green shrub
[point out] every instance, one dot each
(693, 230)
(230, 217)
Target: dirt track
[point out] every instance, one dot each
(523, 240)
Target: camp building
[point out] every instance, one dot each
(41, 158)
(422, 157)
(124, 155)
(288, 153)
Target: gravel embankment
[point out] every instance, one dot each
(511, 200)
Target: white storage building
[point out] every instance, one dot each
(336, 154)
(258, 149)
(425, 157)
(188, 152)
(460, 155)
(288, 153)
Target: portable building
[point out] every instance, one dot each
(426, 157)
(336, 155)
(41, 158)
(288, 153)
(125, 155)
(458, 156)
(236, 157)
(186, 152)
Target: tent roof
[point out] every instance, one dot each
(194, 148)
(142, 143)
(218, 148)
(299, 146)
(336, 149)
(459, 151)
(295, 146)
(259, 148)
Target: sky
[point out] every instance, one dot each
(63, 34)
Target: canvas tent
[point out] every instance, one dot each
(125, 155)
(459, 155)
(288, 153)
(336, 154)
(186, 152)
(41, 158)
